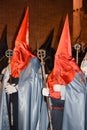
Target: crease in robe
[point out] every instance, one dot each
(4, 117)
(86, 106)
(75, 104)
(32, 107)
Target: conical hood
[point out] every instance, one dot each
(64, 48)
(22, 53)
(3, 49)
(48, 41)
(50, 52)
(65, 67)
(3, 43)
(23, 34)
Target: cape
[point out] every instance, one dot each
(32, 109)
(4, 116)
(75, 104)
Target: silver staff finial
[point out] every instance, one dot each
(77, 47)
(9, 53)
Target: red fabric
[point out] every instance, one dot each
(63, 73)
(23, 34)
(65, 67)
(20, 59)
(64, 47)
(22, 53)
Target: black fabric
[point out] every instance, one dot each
(15, 110)
(15, 104)
(1, 77)
(85, 6)
(57, 119)
(81, 55)
(57, 102)
(3, 48)
(57, 113)
(50, 52)
(3, 43)
(3, 63)
(49, 60)
(47, 44)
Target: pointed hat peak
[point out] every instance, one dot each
(48, 42)
(64, 47)
(23, 34)
(3, 42)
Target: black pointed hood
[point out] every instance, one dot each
(50, 52)
(3, 43)
(3, 48)
(48, 42)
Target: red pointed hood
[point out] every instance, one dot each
(22, 53)
(64, 48)
(65, 67)
(23, 34)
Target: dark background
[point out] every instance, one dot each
(44, 15)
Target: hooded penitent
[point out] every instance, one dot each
(65, 67)
(67, 73)
(19, 61)
(50, 52)
(32, 109)
(21, 53)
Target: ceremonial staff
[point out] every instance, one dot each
(41, 55)
(9, 54)
(77, 47)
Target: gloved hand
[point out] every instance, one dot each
(60, 88)
(45, 91)
(11, 88)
